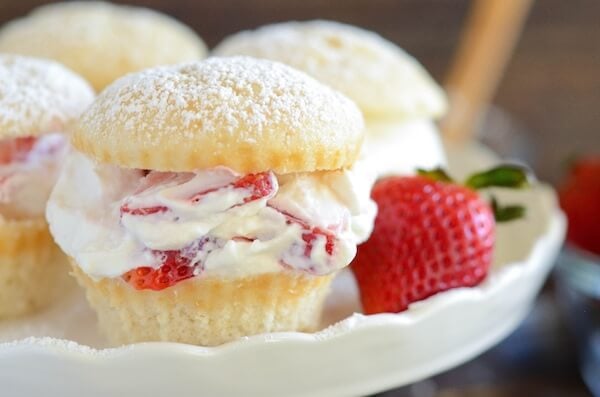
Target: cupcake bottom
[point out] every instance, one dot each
(33, 270)
(207, 311)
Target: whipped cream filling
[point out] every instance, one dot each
(113, 220)
(395, 147)
(29, 168)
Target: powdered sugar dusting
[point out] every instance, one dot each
(238, 96)
(38, 96)
(374, 72)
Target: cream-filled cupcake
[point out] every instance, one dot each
(38, 100)
(212, 200)
(397, 96)
(101, 41)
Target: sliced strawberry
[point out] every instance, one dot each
(196, 198)
(175, 268)
(16, 149)
(260, 185)
(177, 265)
(310, 235)
(142, 211)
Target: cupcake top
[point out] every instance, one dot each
(242, 113)
(101, 41)
(378, 75)
(38, 96)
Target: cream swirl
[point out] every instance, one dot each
(28, 169)
(114, 220)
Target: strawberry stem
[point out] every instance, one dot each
(437, 174)
(506, 213)
(512, 176)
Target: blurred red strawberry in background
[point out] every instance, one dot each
(580, 199)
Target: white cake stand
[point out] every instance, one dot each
(59, 352)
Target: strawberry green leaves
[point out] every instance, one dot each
(436, 174)
(511, 176)
(506, 213)
(507, 176)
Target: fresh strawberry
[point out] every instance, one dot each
(430, 235)
(15, 149)
(176, 266)
(580, 199)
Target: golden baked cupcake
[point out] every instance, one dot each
(212, 200)
(101, 41)
(396, 95)
(38, 100)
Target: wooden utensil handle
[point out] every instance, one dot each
(486, 45)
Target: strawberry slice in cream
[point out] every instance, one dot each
(29, 167)
(154, 229)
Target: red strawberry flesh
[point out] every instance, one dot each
(580, 199)
(310, 237)
(176, 266)
(174, 269)
(311, 234)
(258, 186)
(15, 149)
(428, 237)
(142, 211)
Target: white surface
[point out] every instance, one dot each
(356, 356)
(399, 147)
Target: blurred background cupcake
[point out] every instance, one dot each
(101, 41)
(398, 98)
(39, 99)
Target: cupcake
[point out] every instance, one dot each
(212, 200)
(101, 41)
(396, 95)
(38, 100)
